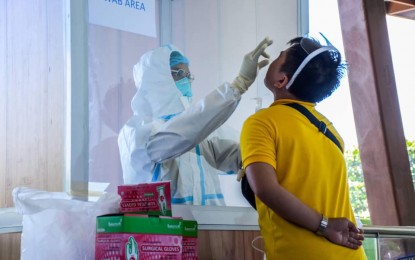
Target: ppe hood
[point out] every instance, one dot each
(157, 95)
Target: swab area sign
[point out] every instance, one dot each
(126, 15)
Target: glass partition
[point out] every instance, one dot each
(213, 36)
(387, 243)
(401, 31)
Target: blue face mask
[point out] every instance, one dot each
(184, 86)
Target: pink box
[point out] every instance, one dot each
(146, 198)
(137, 246)
(134, 237)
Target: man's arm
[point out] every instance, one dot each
(264, 183)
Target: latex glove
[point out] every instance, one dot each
(251, 66)
(240, 174)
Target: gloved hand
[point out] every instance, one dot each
(250, 66)
(240, 174)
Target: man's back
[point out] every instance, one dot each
(309, 166)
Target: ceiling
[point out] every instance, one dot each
(401, 8)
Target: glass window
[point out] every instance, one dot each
(112, 55)
(401, 33)
(213, 37)
(324, 17)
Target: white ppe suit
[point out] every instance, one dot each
(156, 148)
(167, 139)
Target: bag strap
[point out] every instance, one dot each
(321, 126)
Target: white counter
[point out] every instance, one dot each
(219, 218)
(208, 218)
(10, 221)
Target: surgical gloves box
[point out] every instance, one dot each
(146, 198)
(134, 236)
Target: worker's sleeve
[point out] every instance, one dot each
(222, 154)
(183, 132)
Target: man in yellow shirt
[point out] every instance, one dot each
(297, 173)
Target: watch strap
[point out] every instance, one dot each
(323, 225)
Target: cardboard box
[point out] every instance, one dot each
(146, 198)
(189, 242)
(133, 236)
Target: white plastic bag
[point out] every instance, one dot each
(55, 226)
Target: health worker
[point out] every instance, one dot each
(170, 139)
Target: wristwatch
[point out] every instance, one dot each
(323, 225)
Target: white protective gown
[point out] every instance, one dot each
(169, 139)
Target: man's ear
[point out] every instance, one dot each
(282, 82)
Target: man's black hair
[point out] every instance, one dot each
(319, 78)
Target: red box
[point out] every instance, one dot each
(146, 198)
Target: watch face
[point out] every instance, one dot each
(324, 222)
(323, 225)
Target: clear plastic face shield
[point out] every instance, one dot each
(313, 45)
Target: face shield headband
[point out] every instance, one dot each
(313, 48)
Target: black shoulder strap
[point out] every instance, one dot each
(321, 126)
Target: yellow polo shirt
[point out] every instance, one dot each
(307, 164)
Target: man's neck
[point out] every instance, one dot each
(284, 95)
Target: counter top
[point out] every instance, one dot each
(208, 218)
(219, 218)
(215, 218)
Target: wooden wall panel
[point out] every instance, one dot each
(3, 100)
(10, 246)
(229, 245)
(26, 96)
(33, 96)
(56, 95)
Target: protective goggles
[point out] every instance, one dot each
(312, 46)
(181, 74)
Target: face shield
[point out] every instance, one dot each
(313, 45)
(180, 74)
